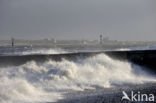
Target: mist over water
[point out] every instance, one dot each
(30, 50)
(47, 82)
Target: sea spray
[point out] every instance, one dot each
(41, 51)
(46, 82)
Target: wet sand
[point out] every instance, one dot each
(108, 95)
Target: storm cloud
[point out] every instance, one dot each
(78, 19)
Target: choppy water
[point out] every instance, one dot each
(48, 81)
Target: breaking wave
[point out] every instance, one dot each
(46, 82)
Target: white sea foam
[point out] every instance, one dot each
(137, 48)
(33, 82)
(31, 51)
(42, 51)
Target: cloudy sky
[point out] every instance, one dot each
(78, 19)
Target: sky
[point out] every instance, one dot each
(132, 20)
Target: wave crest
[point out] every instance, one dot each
(40, 82)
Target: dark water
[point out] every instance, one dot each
(39, 75)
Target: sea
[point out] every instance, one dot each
(48, 81)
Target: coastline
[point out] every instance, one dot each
(108, 95)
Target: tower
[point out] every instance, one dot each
(100, 39)
(12, 42)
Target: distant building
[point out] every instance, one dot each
(101, 39)
(53, 40)
(46, 39)
(106, 39)
(84, 42)
(12, 41)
